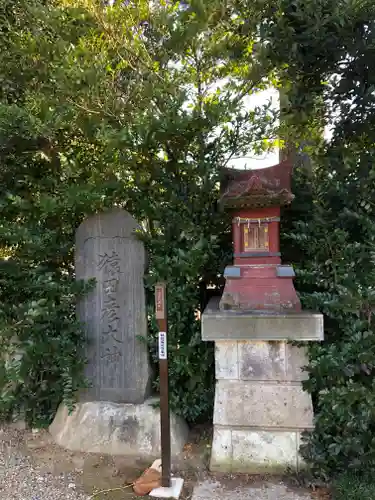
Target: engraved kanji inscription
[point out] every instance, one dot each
(110, 320)
(110, 263)
(113, 314)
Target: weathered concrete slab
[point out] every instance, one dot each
(259, 325)
(260, 360)
(114, 313)
(254, 451)
(221, 450)
(210, 490)
(266, 451)
(255, 404)
(226, 360)
(116, 429)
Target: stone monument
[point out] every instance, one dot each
(260, 406)
(116, 415)
(114, 313)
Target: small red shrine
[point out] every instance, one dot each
(257, 280)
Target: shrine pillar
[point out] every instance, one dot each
(260, 407)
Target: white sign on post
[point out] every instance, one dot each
(162, 345)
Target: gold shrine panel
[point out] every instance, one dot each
(255, 237)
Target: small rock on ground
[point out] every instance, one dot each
(209, 490)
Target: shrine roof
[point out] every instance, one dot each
(257, 188)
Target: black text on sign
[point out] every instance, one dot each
(162, 345)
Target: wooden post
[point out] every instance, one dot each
(161, 317)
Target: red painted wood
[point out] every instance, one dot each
(259, 287)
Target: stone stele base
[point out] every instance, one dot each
(260, 406)
(116, 429)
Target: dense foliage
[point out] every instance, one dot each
(330, 232)
(352, 487)
(105, 105)
(41, 343)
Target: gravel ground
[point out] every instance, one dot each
(33, 467)
(213, 490)
(20, 479)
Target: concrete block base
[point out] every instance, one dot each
(261, 408)
(263, 405)
(116, 429)
(255, 451)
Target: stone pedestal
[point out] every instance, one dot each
(260, 406)
(116, 429)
